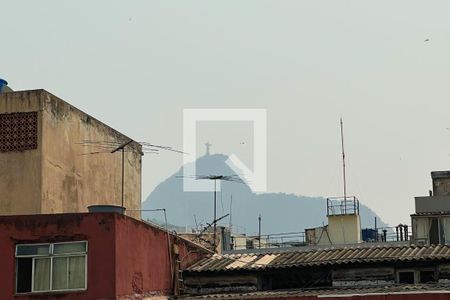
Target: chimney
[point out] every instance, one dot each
(441, 183)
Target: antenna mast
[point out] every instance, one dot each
(122, 149)
(343, 163)
(215, 214)
(231, 211)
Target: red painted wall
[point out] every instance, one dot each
(125, 256)
(97, 229)
(142, 258)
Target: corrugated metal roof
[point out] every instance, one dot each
(320, 256)
(425, 290)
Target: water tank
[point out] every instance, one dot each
(102, 208)
(4, 86)
(369, 235)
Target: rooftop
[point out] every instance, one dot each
(57, 105)
(440, 174)
(320, 257)
(337, 292)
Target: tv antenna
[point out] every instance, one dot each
(111, 147)
(231, 212)
(343, 161)
(121, 148)
(208, 225)
(232, 178)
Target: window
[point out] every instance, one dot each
(51, 267)
(427, 276)
(434, 231)
(406, 277)
(18, 131)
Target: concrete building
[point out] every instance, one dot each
(336, 264)
(362, 271)
(105, 256)
(206, 238)
(431, 221)
(43, 166)
(344, 224)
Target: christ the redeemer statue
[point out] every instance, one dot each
(208, 147)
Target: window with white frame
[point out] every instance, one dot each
(51, 267)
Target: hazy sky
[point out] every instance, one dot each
(137, 64)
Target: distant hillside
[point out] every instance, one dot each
(280, 212)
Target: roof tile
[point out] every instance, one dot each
(320, 256)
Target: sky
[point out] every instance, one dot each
(383, 66)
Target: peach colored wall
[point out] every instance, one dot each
(74, 181)
(57, 177)
(20, 172)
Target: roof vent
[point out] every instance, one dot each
(106, 209)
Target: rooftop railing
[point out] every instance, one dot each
(342, 206)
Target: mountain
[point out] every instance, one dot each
(279, 212)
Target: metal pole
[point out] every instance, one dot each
(122, 147)
(215, 213)
(376, 230)
(343, 165)
(259, 230)
(328, 208)
(169, 245)
(123, 175)
(231, 210)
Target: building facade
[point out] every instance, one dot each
(298, 273)
(48, 166)
(90, 256)
(344, 224)
(431, 221)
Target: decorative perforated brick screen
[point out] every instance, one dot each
(18, 131)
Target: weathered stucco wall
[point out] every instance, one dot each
(97, 229)
(143, 264)
(441, 183)
(127, 259)
(20, 171)
(56, 177)
(73, 181)
(344, 229)
(430, 204)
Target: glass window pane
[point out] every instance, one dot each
(41, 274)
(69, 248)
(33, 249)
(59, 278)
(77, 272)
(24, 270)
